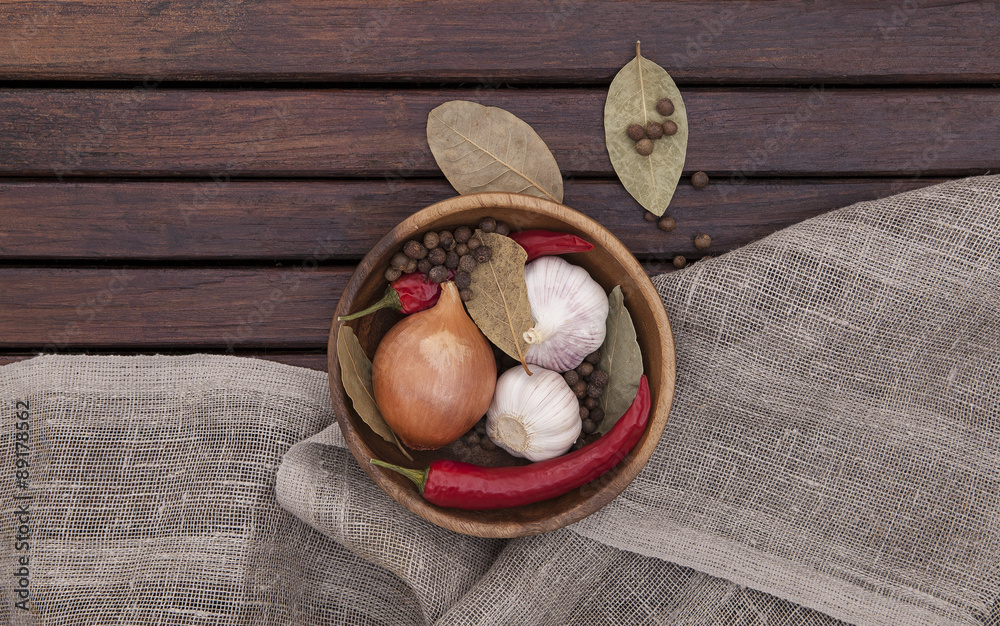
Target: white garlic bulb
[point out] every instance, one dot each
(536, 417)
(570, 310)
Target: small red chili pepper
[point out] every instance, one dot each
(408, 294)
(465, 486)
(545, 242)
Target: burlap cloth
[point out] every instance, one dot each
(833, 454)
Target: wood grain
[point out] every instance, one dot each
(342, 220)
(380, 134)
(59, 309)
(560, 41)
(311, 361)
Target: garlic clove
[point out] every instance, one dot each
(536, 417)
(569, 310)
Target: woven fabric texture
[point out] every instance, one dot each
(833, 454)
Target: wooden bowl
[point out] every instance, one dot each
(610, 263)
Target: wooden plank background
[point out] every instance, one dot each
(196, 177)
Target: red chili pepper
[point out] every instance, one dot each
(473, 487)
(545, 242)
(408, 294)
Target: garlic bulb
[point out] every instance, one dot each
(569, 309)
(536, 417)
(433, 374)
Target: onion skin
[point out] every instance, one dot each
(433, 374)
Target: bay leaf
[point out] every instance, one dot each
(356, 374)
(481, 148)
(499, 304)
(621, 358)
(632, 99)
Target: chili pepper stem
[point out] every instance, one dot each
(389, 299)
(419, 477)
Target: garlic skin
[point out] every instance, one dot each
(570, 310)
(536, 417)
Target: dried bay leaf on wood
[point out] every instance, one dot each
(482, 148)
(356, 373)
(499, 304)
(632, 99)
(621, 358)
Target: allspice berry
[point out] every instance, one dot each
(399, 261)
(580, 389)
(702, 241)
(431, 240)
(465, 294)
(584, 369)
(649, 217)
(483, 254)
(463, 280)
(593, 358)
(595, 391)
(467, 263)
(666, 223)
(669, 128)
(644, 147)
(488, 225)
(424, 266)
(591, 403)
(636, 132)
(446, 240)
(599, 378)
(462, 249)
(437, 256)
(451, 260)
(665, 107)
(654, 130)
(502, 229)
(699, 180)
(462, 234)
(411, 266)
(438, 274)
(679, 261)
(571, 377)
(392, 274)
(473, 243)
(414, 249)
(597, 414)
(589, 426)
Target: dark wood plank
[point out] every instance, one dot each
(741, 133)
(311, 361)
(342, 220)
(561, 40)
(57, 309)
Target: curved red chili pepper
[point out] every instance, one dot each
(408, 294)
(465, 486)
(545, 242)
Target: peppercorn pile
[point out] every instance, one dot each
(588, 383)
(446, 255)
(645, 136)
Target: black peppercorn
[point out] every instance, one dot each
(461, 249)
(502, 229)
(465, 295)
(654, 131)
(580, 389)
(665, 107)
(424, 266)
(467, 263)
(599, 378)
(666, 223)
(594, 391)
(399, 261)
(488, 225)
(679, 261)
(463, 280)
(649, 217)
(593, 358)
(438, 274)
(446, 240)
(584, 412)
(473, 243)
(571, 377)
(392, 274)
(411, 266)
(669, 128)
(462, 234)
(483, 254)
(597, 414)
(636, 132)
(644, 147)
(451, 260)
(414, 249)
(437, 256)
(584, 369)
(431, 240)
(699, 180)
(702, 241)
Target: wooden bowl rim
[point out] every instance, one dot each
(626, 471)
